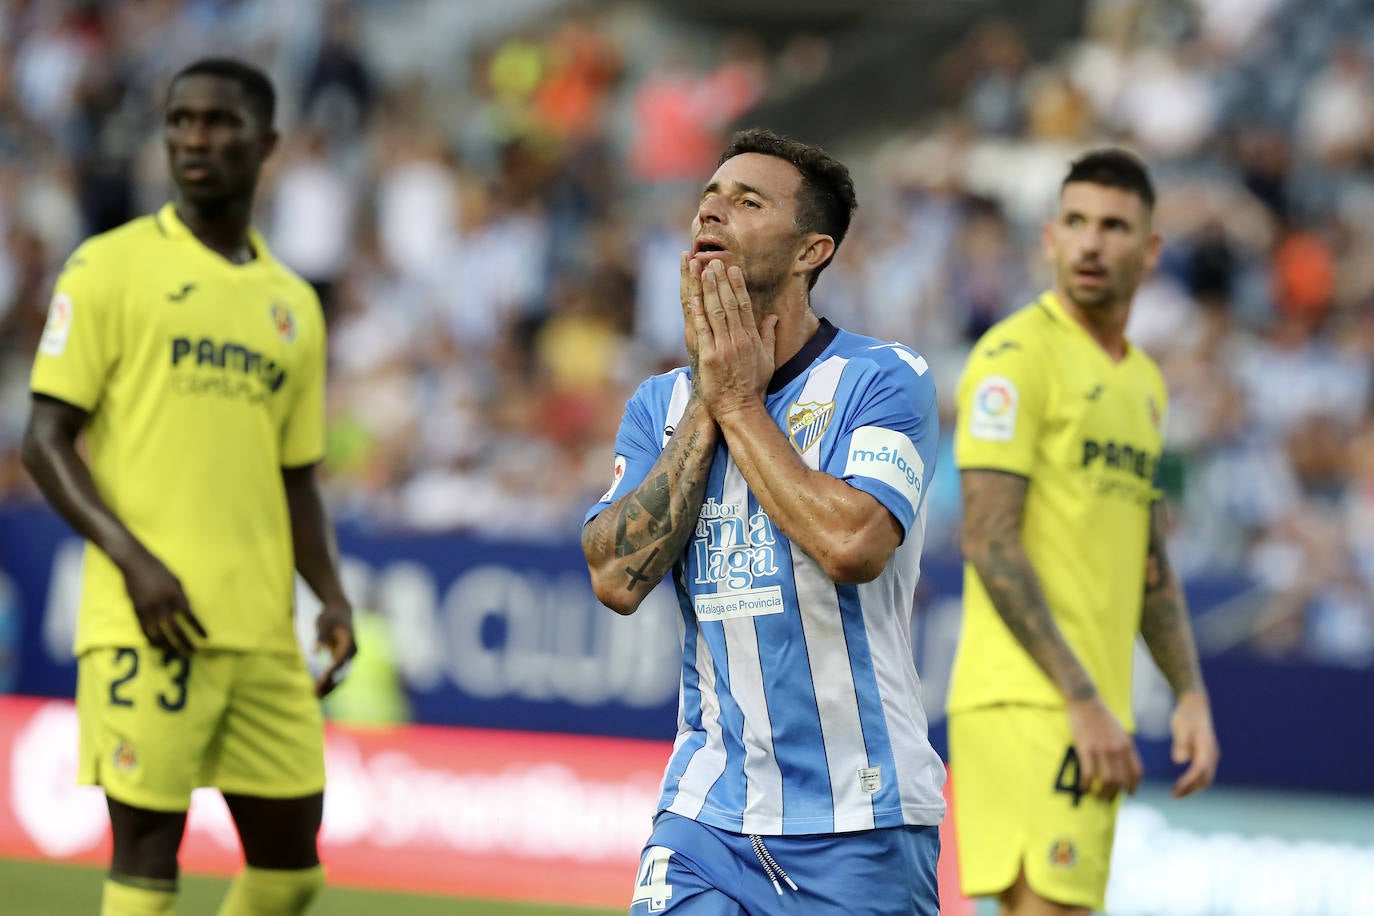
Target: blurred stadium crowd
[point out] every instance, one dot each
(491, 198)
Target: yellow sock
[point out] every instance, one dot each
(272, 892)
(127, 896)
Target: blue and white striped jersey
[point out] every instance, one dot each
(800, 707)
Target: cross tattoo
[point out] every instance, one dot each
(637, 575)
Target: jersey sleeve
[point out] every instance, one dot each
(638, 443)
(80, 342)
(1001, 403)
(888, 446)
(302, 438)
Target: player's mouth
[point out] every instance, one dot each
(195, 171)
(1090, 273)
(708, 246)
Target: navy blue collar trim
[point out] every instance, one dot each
(804, 357)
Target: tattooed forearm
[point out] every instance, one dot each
(637, 575)
(1164, 620)
(633, 543)
(647, 516)
(991, 540)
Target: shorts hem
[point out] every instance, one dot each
(142, 800)
(275, 792)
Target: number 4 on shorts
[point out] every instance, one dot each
(651, 886)
(1070, 772)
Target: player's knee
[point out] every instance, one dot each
(145, 842)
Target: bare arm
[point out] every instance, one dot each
(49, 454)
(845, 530)
(1168, 634)
(1164, 622)
(633, 543)
(317, 560)
(994, 503)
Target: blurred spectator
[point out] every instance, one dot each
(497, 234)
(310, 222)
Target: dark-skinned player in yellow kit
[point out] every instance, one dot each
(194, 364)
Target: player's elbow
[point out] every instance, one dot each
(618, 599)
(606, 585)
(33, 453)
(854, 562)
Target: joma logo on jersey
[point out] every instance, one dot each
(731, 551)
(1119, 457)
(230, 357)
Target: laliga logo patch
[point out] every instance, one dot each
(1063, 854)
(284, 321)
(59, 326)
(124, 758)
(616, 476)
(806, 423)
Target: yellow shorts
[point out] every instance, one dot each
(154, 726)
(1016, 806)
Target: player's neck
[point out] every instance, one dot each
(222, 227)
(1105, 324)
(797, 324)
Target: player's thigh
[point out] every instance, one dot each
(148, 718)
(889, 871)
(1069, 844)
(990, 781)
(278, 833)
(271, 742)
(1017, 808)
(687, 870)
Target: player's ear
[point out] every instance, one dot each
(817, 250)
(1153, 250)
(1047, 240)
(270, 138)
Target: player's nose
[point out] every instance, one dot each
(711, 209)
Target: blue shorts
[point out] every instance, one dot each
(691, 869)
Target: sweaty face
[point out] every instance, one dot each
(215, 141)
(747, 216)
(1100, 244)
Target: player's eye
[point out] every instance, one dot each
(751, 203)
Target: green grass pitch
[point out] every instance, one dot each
(47, 889)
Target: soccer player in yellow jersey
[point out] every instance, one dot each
(194, 362)
(1058, 436)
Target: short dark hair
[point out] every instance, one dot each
(1113, 167)
(257, 88)
(825, 199)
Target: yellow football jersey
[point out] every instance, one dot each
(1040, 398)
(203, 379)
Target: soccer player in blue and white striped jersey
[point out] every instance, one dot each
(781, 478)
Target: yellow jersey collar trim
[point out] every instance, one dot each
(1049, 300)
(171, 226)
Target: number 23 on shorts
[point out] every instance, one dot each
(127, 663)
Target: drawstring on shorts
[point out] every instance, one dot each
(770, 866)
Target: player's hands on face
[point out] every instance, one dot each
(734, 351)
(1195, 743)
(1107, 758)
(160, 603)
(690, 291)
(334, 627)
